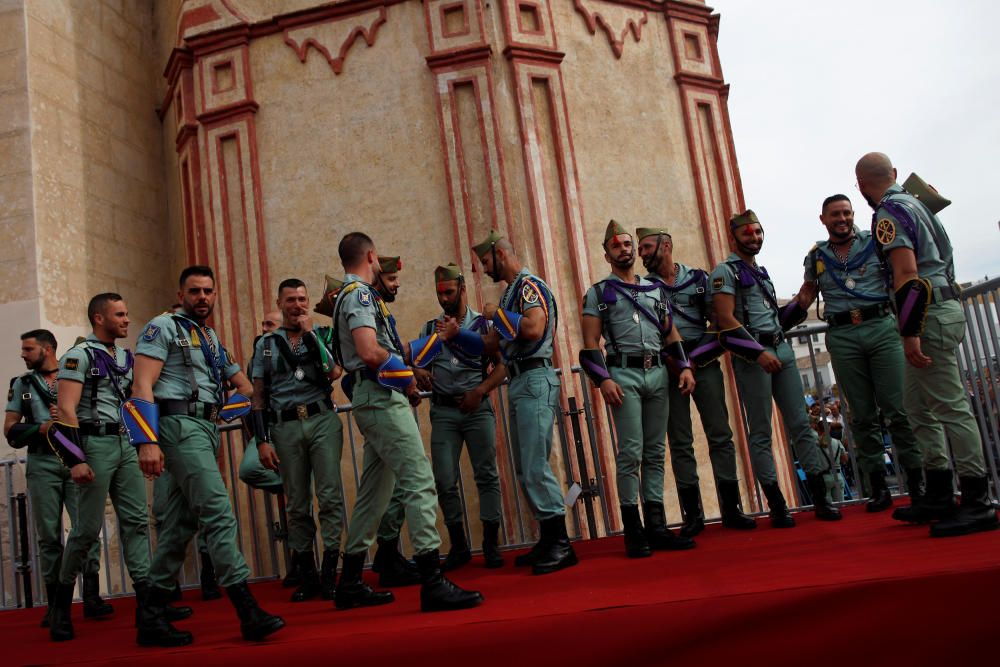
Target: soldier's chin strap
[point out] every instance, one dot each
(22, 435)
(741, 343)
(259, 426)
(66, 443)
(792, 315)
(676, 356)
(912, 300)
(593, 364)
(394, 373)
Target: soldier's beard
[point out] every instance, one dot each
(35, 365)
(625, 262)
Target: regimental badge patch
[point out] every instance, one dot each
(364, 297)
(717, 283)
(885, 231)
(71, 364)
(529, 294)
(150, 333)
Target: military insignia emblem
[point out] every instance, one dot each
(717, 283)
(885, 231)
(71, 364)
(364, 297)
(150, 333)
(528, 294)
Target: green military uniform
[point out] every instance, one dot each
(865, 348)
(393, 452)
(307, 433)
(832, 450)
(106, 383)
(189, 393)
(50, 485)
(756, 309)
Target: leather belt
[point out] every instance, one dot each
(858, 315)
(770, 339)
(946, 293)
(197, 409)
(101, 428)
(301, 411)
(515, 368)
(644, 361)
(449, 400)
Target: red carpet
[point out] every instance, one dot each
(860, 591)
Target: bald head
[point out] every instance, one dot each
(875, 174)
(271, 321)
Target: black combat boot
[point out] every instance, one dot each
(60, 623)
(152, 627)
(309, 587)
(694, 515)
(459, 554)
(209, 586)
(176, 594)
(93, 605)
(558, 553)
(352, 591)
(915, 487)
(881, 499)
(436, 592)
(531, 557)
(50, 599)
(822, 508)
(975, 514)
(636, 544)
(255, 623)
(729, 505)
(780, 516)
(172, 613)
(291, 579)
(937, 501)
(328, 575)
(393, 570)
(491, 544)
(659, 536)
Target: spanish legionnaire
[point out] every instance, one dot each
(460, 385)
(631, 314)
(392, 567)
(31, 402)
(863, 342)
(834, 456)
(920, 262)
(367, 346)
(688, 293)
(95, 378)
(181, 371)
(252, 472)
(525, 324)
(299, 433)
(747, 314)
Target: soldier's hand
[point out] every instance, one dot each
(54, 412)
(914, 355)
(82, 473)
(43, 429)
(687, 382)
(268, 457)
(471, 400)
(769, 362)
(413, 394)
(151, 460)
(305, 322)
(489, 310)
(612, 393)
(423, 378)
(448, 328)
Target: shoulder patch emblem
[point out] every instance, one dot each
(71, 364)
(717, 283)
(885, 231)
(150, 333)
(364, 297)
(529, 294)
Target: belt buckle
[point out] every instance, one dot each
(121, 429)
(647, 360)
(301, 412)
(213, 413)
(856, 316)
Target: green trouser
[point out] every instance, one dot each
(51, 487)
(309, 451)
(936, 399)
(450, 427)
(641, 428)
(710, 397)
(534, 403)
(161, 491)
(392, 520)
(394, 455)
(834, 487)
(868, 363)
(196, 497)
(116, 473)
(756, 389)
(254, 474)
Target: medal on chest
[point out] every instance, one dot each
(635, 317)
(850, 283)
(454, 361)
(299, 374)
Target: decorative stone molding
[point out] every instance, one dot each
(334, 37)
(199, 17)
(631, 20)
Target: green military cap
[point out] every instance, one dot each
(325, 305)
(614, 229)
(747, 217)
(643, 232)
(926, 193)
(448, 272)
(484, 245)
(390, 264)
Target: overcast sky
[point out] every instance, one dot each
(815, 85)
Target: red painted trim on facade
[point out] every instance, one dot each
(227, 112)
(616, 40)
(219, 40)
(466, 27)
(369, 34)
(531, 54)
(459, 58)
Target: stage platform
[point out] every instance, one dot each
(862, 591)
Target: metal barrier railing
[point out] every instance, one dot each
(260, 515)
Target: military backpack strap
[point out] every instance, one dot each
(27, 412)
(604, 308)
(268, 370)
(184, 342)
